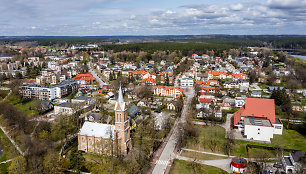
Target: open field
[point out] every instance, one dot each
(183, 167)
(290, 139)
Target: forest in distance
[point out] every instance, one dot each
(292, 43)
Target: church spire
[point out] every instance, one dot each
(120, 102)
(120, 95)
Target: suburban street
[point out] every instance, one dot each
(168, 152)
(99, 79)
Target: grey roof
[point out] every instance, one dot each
(95, 116)
(257, 122)
(288, 161)
(133, 111)
(256, 92)
(277, 121)
(98, 130)
(297, 155)
(82, 98)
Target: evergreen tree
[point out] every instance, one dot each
(111, 78)
(167, 80)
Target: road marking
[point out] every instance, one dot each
(161, 162)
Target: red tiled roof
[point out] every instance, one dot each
(86, 77)
(148, 79)
(257, 108)
(238, 76)
(216, 73)
(204, 100)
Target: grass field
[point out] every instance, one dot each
(290, 139)
(23, 106)
(3, 168)
(9, 150)
(3, 93)
(184, 167)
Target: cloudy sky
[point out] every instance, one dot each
(151, 17)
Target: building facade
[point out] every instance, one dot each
(106, 138)
(49, 92)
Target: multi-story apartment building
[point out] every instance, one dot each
(44, 92)
(166, 91)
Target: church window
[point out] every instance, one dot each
(90, 142)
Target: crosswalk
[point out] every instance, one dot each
(161, 162)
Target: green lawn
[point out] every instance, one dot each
(290, 139)
(3, 168)
(201, 156)
(9, 150)
(23, 106)
(184, 167)
(3, 94)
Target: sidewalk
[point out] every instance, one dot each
(210, 153)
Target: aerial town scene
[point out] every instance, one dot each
(165, 87)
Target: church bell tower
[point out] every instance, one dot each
(122, 124)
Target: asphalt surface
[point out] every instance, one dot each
(168, 153)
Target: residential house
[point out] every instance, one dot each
(149, 81)
(185, 82)
(292, 163)
(256, 119)
(239, 101)
(256, 94)
(86, 79)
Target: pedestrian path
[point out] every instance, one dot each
(209, 153)
(162, 162)
(12, 141)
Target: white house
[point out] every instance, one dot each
(64, 108)
(186, 82)
(256, 119)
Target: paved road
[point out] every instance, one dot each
(99, 79)
(167, 155)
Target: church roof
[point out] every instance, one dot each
(98, 130)
(120, 104)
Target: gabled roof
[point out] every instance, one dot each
(98, 130)
(257, 108)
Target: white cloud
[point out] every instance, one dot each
(238, 6)
(154, 21)
(96, 23)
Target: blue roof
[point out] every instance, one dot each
(133, 111)
(271, 88)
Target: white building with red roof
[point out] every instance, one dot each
(256, 119)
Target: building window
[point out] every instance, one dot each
(90, 142)
(83, 140)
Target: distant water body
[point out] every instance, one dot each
(299, 56)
